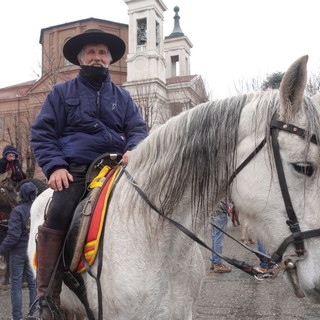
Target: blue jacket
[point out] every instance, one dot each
(78, 124)
(16, 240)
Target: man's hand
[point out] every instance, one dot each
(125, 158)
(59, 179)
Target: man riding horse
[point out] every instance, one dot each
(80, 120)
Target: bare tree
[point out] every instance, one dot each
(158, 104)
(16, 126)
(272, 81)
(145, 95)
(248, 85)
(313, 84)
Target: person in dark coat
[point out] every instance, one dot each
(10, 163)
(80, 120)
(10, 168)
(220, 219)
(15, 243)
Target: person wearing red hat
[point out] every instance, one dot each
(80, 120)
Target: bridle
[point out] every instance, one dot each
(297, 237)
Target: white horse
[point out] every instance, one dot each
(150, 269)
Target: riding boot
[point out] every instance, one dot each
(47, 305)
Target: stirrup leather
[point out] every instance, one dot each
(42, 303)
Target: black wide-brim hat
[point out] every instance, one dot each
(74, 45)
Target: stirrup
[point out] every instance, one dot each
(44, 302)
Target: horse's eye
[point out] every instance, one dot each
(304, 168)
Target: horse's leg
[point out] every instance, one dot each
(245, 234)
(237, 217)
(242, 229)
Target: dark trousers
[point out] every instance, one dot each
(64, 202)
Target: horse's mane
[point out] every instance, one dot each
(196, 150)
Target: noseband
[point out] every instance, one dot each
(297, 236)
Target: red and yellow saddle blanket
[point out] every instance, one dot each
(91, 245)
(101, 187)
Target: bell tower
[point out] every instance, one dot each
(177, 48)
(145, 59)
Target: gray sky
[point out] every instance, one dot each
(233, 40)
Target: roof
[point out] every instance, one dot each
(16, 91)
(22, 84)
(77, 21)
(180, 79)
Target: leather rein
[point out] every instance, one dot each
(297, 237)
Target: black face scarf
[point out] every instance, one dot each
(94, 75)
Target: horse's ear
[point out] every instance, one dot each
(292, 88)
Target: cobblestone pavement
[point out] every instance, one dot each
(230, 296)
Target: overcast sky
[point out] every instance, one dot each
(233, 40)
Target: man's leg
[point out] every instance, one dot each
(49, 245)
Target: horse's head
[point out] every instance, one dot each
(279, 189)
(9, 197)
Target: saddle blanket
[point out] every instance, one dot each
(92, 241)
(89, 242)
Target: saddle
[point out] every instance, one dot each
(82, 241)
(83, 238)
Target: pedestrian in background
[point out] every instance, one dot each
(15, 243)
(234, 214)
(10, 168)
(220, 219)
(264, 266)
